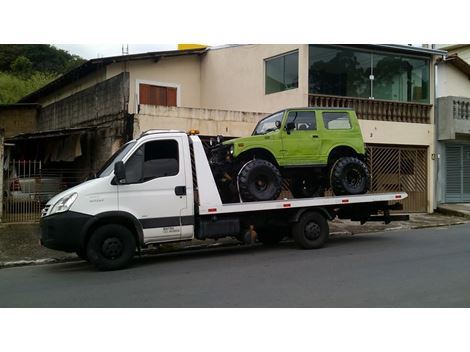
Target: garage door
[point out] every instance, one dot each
(457, 170)
(400, 168)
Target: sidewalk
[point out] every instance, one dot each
(19, 243)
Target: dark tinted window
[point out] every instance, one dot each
(303, 120)
(153, 160)
(336, 120)
(282, 73)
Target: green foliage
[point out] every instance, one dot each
(25, 68)
(12, 88)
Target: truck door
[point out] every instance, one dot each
(155, 190)
(301, 145)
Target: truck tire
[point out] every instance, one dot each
(111, 247)
(270, 235)
(303, 187)
(349, 175)
(259, 180)
(311, 231)
(81, 253)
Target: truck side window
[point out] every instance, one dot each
(152, 160)
(303, 120)
(336, 120)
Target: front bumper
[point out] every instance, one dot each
(64, 231)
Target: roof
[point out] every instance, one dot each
(19, 105)
(458, 62)
(50, 134)
(95, 64)
(405, 49)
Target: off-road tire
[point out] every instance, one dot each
(311, 231)
(349, 175)
(270, 235)
(111, 247)
(259, 180)
(303, 187)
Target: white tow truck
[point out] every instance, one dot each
(160, 188)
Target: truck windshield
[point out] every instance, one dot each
(268, 124)
(108, 166)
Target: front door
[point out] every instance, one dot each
(301, 145)
(155, 190)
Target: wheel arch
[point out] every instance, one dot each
(260, 152)
(338, 151)
(329, 215)
(114, 217)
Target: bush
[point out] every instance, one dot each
(13, 88)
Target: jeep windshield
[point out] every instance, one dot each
(109, 165)
(268, 124)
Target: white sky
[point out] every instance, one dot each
(91, 51)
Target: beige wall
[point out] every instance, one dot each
(452, 82)
(74, 87)
(207, 121)
(182, 72)
(233, 79)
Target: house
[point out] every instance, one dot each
(226, 90)
(453, 125)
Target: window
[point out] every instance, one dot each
(282, 73)
(336, 120)
(269, 124)
(368, 74)
(153, 160)
(157, 95)
(303, 120)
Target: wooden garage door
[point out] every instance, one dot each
(400, 168)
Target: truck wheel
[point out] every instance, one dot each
(81, 253)
(349, 175)
(111, 247)
(307, 187)
(270, 235)
(311, 231)
(259, 180)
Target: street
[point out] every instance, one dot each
(414, 268)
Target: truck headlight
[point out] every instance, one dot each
(64, 203)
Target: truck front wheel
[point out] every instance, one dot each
(111, 247)
(311, 231)
(259, 180)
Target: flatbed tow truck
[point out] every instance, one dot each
(160, 188)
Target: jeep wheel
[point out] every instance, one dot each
(307, 187)
(259, 180)
(349, 175)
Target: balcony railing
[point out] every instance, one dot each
(372, 109)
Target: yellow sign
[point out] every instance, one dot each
(191, 46)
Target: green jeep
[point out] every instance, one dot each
(310, 148)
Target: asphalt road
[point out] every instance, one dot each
(417, 268)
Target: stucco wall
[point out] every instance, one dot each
(182, 72)
(233, 79)
(452, 82)
(16, 120)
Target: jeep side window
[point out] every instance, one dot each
(336, 120)
(152, 160)
(303, 120)
(268, 124)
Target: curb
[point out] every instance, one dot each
(452, 212)
(13, 264)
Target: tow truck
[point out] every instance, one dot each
(159, 188)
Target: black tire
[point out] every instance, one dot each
(82, 254)
(270, 235)
(111, 247)
(259, 180)
(311, 231)
(349, 175)
(307, 187)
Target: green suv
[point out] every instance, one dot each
(309, 149)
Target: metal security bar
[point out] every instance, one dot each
(397, 168)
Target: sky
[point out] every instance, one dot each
(91, 51)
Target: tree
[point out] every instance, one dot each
(22, 67)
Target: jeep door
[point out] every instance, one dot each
(301, 144)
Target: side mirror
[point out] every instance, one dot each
(289, 127)
(277, 124)
(120, 171)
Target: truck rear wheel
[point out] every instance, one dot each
(111, 247)
(311, 231)
(259, 180)
(349, 175)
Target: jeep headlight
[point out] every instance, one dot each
(64, 204)
(231, 149)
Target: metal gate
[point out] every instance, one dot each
(457, 171)
(400, 168)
